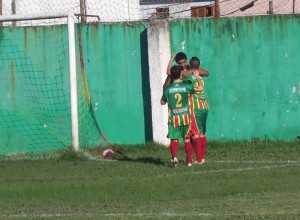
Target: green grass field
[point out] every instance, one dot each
(239, 180)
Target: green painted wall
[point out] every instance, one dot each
(253, 88)
(254, 85)
(116, 64)
(34, 104)
(34, 86)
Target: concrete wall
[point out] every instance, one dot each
(116, 64)
(34, 89)
(159, 55)
(254, 85)
(35, 99)
(253, 89)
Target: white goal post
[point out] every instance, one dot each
(72, 61)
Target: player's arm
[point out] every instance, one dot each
(203, 72)
(164, 98)
(167, 82)
(200, 86)
(170, 65)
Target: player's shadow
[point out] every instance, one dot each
(120, 156)
(145, 160)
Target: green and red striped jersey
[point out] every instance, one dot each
(198, 97)
(176, 94)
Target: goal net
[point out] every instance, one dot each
(44, 98)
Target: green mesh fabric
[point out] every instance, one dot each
(35, 92)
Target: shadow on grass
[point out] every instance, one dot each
(120, 154)
(146, 160)
(150, 160)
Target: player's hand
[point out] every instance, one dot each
(197, 74)
(173, 58)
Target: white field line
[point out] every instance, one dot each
(254, 161)
(166, 214)
(234, 170)
(245, 169)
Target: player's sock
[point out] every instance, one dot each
(198, 150)
(203, 147)
(174, 148)
(189, 151)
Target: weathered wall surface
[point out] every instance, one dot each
(254, 85)
(158, 51)
(116, 65)
(253, 89)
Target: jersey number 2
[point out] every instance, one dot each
(178, 100)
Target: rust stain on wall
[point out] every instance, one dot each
(13, 84)
(12, 71)
(25, 40)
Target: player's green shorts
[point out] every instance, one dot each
(201, 117)
(180, 132)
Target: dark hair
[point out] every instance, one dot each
(194, 63)
(175, 72)
(180, 56)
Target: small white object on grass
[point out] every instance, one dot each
(107, 154)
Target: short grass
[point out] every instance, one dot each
(239, 180)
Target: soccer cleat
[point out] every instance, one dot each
(189, 164)
(196, 162)
(202, 161)
(175, 162)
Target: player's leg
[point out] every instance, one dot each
(174, 135)
(187, 144)
(203, 139)
(203, 147)
(174, 150)
(195, 136)
(197, 147)
(195, 132)
(200, 116)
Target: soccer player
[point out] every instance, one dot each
(177, 96)
(199, 110)
(181, 59)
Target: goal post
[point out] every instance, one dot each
(73, 81)
(11, 62)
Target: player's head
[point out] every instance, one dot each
(175, 72)
(194, 63)
(181, 59)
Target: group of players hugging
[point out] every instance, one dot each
(183, 90)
